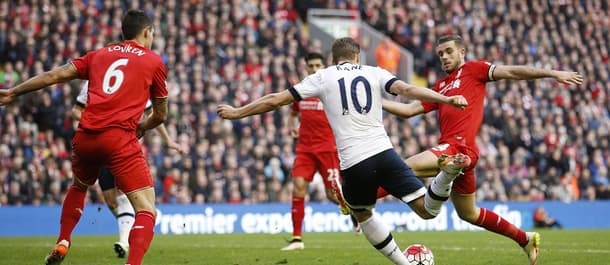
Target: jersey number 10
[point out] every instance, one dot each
(354, 95)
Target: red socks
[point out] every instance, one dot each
(298, 214)
(493, 222)
(71, 211)
(140, 236)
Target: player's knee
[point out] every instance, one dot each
(112, 204)
(79, 184)
(362, 214)
(299, 187)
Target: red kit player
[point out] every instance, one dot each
(122, 77)
(458, 133)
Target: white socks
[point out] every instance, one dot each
(438, 192)
(379, 236)
(125, 217)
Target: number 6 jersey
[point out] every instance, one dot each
(351, 95)
(122, 77)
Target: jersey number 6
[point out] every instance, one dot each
(118, 75)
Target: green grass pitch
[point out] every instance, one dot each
(558, 247)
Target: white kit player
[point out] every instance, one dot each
(352, 94)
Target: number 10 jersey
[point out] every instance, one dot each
(351, 95)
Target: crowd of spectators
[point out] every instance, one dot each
(540, 140)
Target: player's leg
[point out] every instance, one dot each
(401, 182)
(132, 176)
(464, 201)
(85, 167)
(446, 157)
(71, 212)
(125, 218)
(302, 173)
(360, 184)
(119, 205)
(327, 163)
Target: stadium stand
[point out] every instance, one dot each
(540, 140)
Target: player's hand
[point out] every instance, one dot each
(459, 102)
(176, 146)
(140, 132)
(6, 96)
(570, 78)
(227, 112)
(294, 132)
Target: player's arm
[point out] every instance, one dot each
(158, 116)
(261, 105)
(60, 74)
(77, 112)
(292, 123)
(401, 109)
(401, 88)
(171, 144)
(524, 72)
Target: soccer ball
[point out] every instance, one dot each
(419, 254)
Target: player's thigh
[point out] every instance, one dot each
(128, 165)
(304, 166)
(360, 184)
(87, 158)
(327, 163)
(397, 178)
(106, 179)
(424, 164)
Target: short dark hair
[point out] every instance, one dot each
(313, 55)
(134, 21)
(452, 37)
(345, 49)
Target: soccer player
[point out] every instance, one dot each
(458, 133)
(115, 199)
(351, 94)
(315, 151)
(121, 78)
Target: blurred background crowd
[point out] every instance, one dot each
(539, 141)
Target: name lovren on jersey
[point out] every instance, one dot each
(127, 48)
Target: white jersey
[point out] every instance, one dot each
(82, 96)
(351, 95)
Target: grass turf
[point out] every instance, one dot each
(557, 247)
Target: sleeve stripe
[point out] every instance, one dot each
(389, 84)
(82, 105)
(295, 94)
(490, 73)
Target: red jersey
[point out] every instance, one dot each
(122, 77)
(315, 134)
(468, 81)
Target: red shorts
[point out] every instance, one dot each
(307, 163)
(467, 183)
(115, 148)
